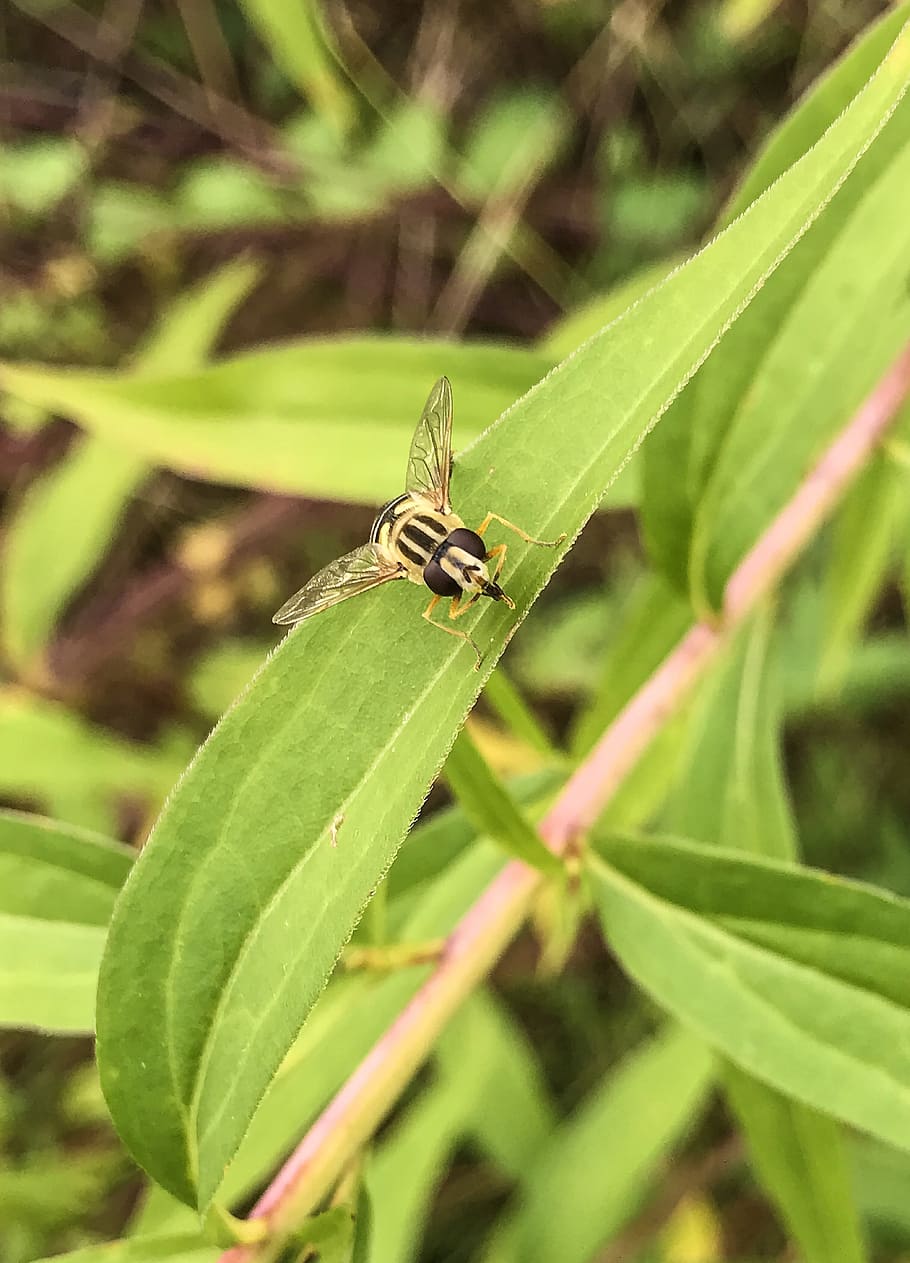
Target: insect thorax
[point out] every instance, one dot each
(410, 530)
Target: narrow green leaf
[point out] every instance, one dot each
(587, 320)
(881, 1176)
(810, 381)
(819, 108)
(729, 787)
(186, 333)
(331, 1234)
(267, 852)
(492, 809)
(320, 418)
(36, 174)
(294, 32)
(800, 1158)
(511, 1116)
(408, 1165)
(57, 890)
(48, 974)
(177, 1248)
(223, 673)
(55, 872)
(507, 701)
(834, 1033)
(60, 530)
(652, 620)
(430, 848)
(47, 750)
(597, 1167)
(731, 791)
(793, 323)
(862, 548)
(65, 522)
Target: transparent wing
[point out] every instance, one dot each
(430, 461)
(356, 572)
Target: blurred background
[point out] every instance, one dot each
(239, 174)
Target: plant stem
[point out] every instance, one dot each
(483, 932)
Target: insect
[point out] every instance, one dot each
(416, 536)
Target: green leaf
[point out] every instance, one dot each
(819, 108)
(57, 890)
(296, 37)
(799, 978)
(177, 1248)
(862, 548)
(652, 620)
(54, 872)
(186, 334)
(47, 751)
(223, 673)
(565, 335)
(241, 867)
(58, 534)
(348, 1019)
(598, 1165)
(321, 418)
(331, 1234)
(64, 524)
(492, 809)
(560, 655)
(429, 850)
(405, 1170)
(409, 146)
(809, 381)
(793, 323)
(502, 696)
(220, 192)
(731, 791)
(880, 1178)
(800, 1158)
(511, 1116)
(729, 787)
(48, 973)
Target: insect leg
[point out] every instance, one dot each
(500, 552)
(452, 631)
(456, 609)
(494, 517)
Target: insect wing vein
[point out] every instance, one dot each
(350, 575)
(430, 459)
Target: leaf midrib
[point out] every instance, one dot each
(724, 964)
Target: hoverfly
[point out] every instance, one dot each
(416, 536)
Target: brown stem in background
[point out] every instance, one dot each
(475, 944)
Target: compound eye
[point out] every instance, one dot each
(468, 541)
(438, 581)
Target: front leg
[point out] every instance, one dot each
(543, 543)
(452, 631)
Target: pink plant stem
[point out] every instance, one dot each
(488, 926)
